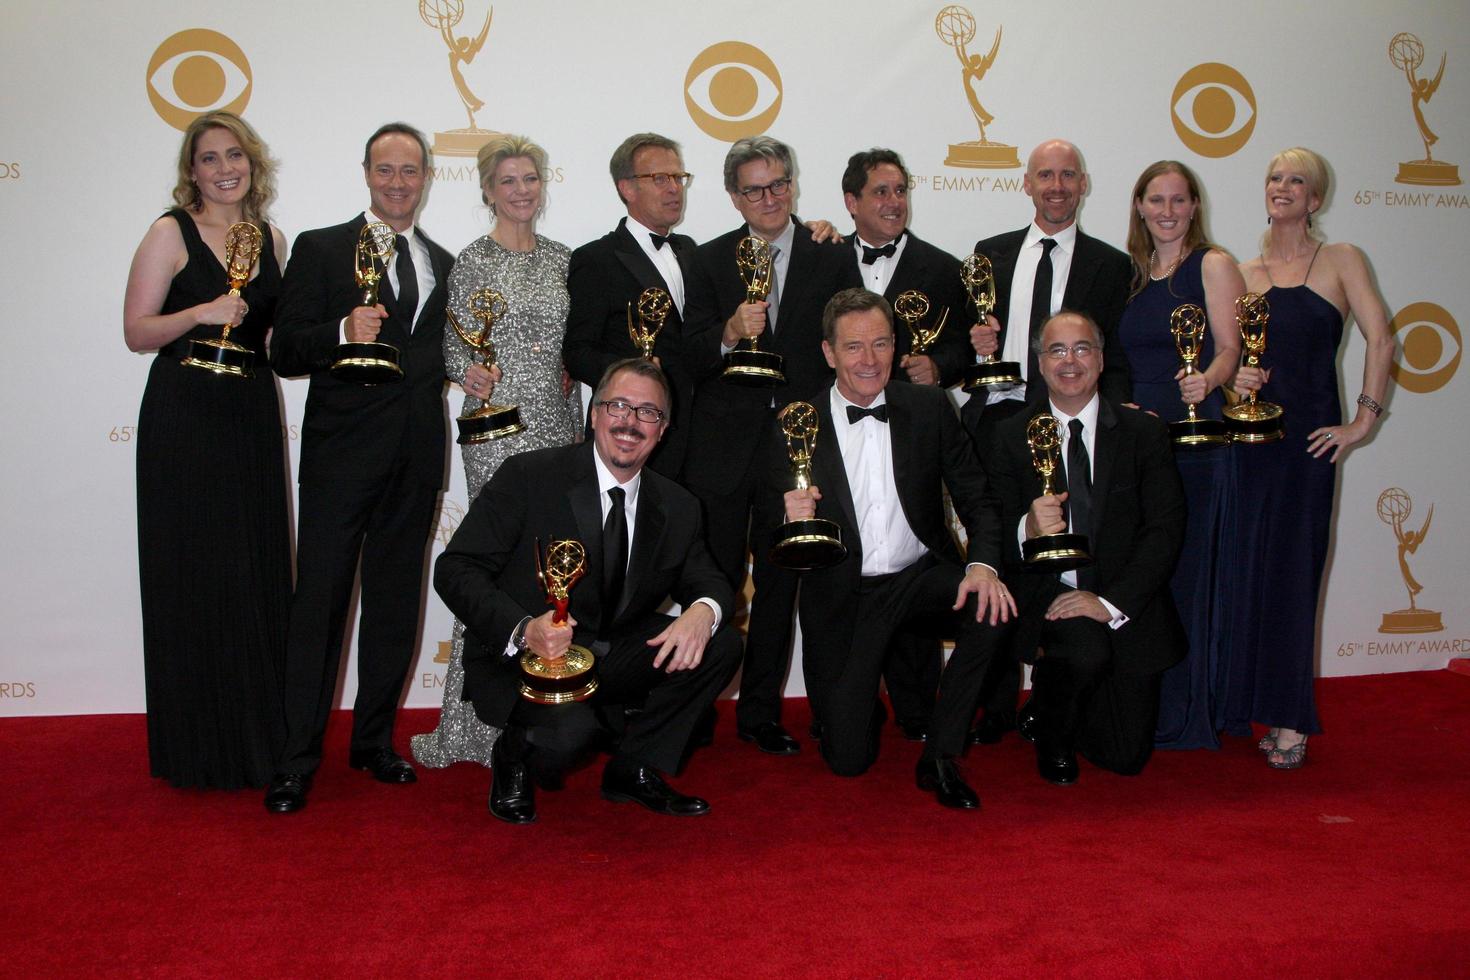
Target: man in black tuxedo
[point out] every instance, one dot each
(1033, 280)
(886, 453)
(1109, 630)
(732, 422)
(644, 543)
(608, 275)
(372, 465)
(892, 260)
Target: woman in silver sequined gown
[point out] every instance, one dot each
(530, 272)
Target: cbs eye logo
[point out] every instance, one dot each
(197, 71)
(1214, 109)
(1429, 347)
(732, 90)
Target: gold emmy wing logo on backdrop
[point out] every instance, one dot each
(197, 71)
(732, 90)
(444, 16)
(1214, 109)
(1429, 347)
(442, 657)
(450, 514)
(956, 27)
(1406, 52)
(1394, 509)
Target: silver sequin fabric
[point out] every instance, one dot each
(528, 349)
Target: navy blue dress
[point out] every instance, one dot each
(1283, 534)
(214, 546)
(1190, 703)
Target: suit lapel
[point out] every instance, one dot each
(798, 266)
(635, 260)
(1081, 274)
(587, 509)
(830, 475)
(1104, 456)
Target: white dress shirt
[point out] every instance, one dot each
(889, 543)
(877, 276)
(663, 259)
(1023, 284)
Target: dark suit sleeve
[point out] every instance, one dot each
(308, 327)
(700, 578)
(1116, 382)
(467, 575)
(1007, 481)
(704, 318)
(1161, 527)
(584, 351)
(975, 503)
(952, 352)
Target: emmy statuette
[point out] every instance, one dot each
(571, 678)
(653, 309)
(1254, 421)
(223, 356)
(747, 364)
(815, 542)
(488, 421)
(989, 374)
(1188, 324)
(370, 362)
(1051, 552)
(911, 307)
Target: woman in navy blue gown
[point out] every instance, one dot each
(1312, 288)
(1174, 264)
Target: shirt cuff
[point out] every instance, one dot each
(511, 650)
(342, 330)
(1119, 618)
(715, 608)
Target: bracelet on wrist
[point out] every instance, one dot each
(1371, 405)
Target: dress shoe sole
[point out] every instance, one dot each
(517, 820)
(286, 806)
(613, 797)
(396, 777)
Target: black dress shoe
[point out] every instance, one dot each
(770, 738)
(1057, 768)
(512, 794)
(287, 792)
(386, 765)
(942, 778)
(992, 727)
(640, 784)
(1026, 721)
(913, 731)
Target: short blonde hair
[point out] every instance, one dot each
(1313, 167)
(262, 167)
(507, 146)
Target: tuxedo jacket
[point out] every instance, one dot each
(730, 420)
(936, 274)
(1096, 285)
(487, 575)
(930, 453)
(603, 278)
(1137, 531)
(351, 431)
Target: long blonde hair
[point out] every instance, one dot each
(262, 168)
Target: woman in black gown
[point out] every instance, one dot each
(1283, 534)
(213, 537)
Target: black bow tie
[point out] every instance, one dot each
(856, 415)
(871, 255)
(659, 241)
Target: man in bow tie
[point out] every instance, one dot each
(887, 452)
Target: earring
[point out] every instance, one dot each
(1309, 219)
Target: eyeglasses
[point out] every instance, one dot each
(1081, 350)
(662, 180)
(621, 410)
(778, 188)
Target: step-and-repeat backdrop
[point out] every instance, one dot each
(96, 95)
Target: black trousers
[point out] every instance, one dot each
(388, 527)
(843, 676)
(672, 702)
(1084, 703)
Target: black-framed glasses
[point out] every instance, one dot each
(662, 180)
(1081, 350)
(620, 410)
(777, 188)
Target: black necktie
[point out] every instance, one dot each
(614, 558)
(659, 241)
(1079, 480)
(871, 255)
(856, 415)
(408, 282)
(1041, 289)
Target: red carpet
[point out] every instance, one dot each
(1209, 864)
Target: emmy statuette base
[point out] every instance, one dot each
(1411, 621)
(1056, 552)
(461, 142)
(561, 681)
(982, 155)
(993, 376)
(221, 357)
(1255, 422)
(755, 368)
(805, 545)
(367, 364)
(1431, 172)
(489, 422)
(1198, 433)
